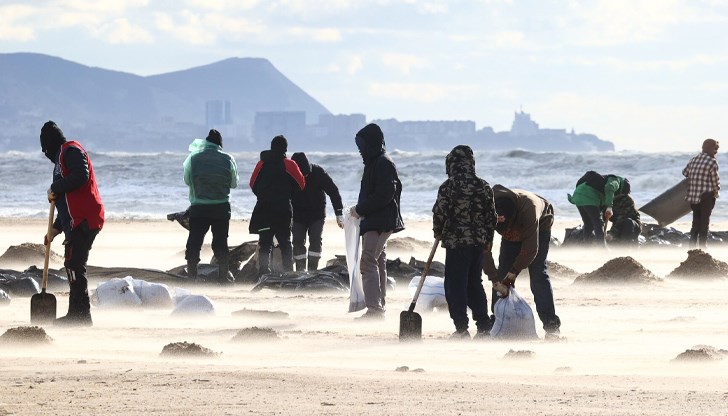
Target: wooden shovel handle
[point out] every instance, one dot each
(44, 283)
(424, 274)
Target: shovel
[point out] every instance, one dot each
(410, 322)
(43, 305)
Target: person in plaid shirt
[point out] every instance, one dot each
(703, 187)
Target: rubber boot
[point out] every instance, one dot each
(192, 270)
(313, 263)
(223, 273)
(300, 265)
(263, 265)
(79, 304)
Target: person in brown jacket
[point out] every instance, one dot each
(524, 223)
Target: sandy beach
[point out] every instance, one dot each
(616, 357)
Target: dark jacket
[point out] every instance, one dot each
(310, 204)
(532, 215)
(77, 195)
(380, 191)
(464, 212)
(273, 180)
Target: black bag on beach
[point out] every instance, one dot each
(594, 180)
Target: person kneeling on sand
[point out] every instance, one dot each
(464, 219)
(524, 223)
(594, 198)
(626, 224)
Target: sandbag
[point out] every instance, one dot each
(154, 295)
(193, 305)
(356, 287)
(670, 205)
(432, 295)
(116, 293)
(513, 318)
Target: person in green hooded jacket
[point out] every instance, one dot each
(210, 173)
(594, 198)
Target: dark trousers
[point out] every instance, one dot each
(282, 233)
(77, 247)
(315, 230)
(543, 295)
(464, 287)
(593, 230)
(198, 228)
(625, 230)
(701, 219)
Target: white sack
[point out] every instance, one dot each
(513, 318)
(194, 305)
(155, 295)
(116, 293)
(432, 294)
(356, 289)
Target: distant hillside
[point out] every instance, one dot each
(119, 111)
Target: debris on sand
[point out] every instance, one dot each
(26, 335)
(701, 353)
(559, 270)
(408, 244)
(700, 265)
(619, 270)
(404, 369)
(28, 253)
(255, 333)
(187, 349)
(520, 354)
(261, 313)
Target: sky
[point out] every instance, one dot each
(647, 75)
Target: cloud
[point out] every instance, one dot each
(420, 92)
(223, 5)
(12, 25)
(115, 7)
(402, 62)
(236, 28)
(120, 31)
(188, 28)
(324, 35)
(624, 65)
(355, 64)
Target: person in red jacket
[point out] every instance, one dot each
(273, 181)
(80, 215)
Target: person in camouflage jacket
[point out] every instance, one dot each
(464, 219)
(626, 225)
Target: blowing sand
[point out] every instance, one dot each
(618, 356)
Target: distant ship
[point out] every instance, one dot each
(526, 134)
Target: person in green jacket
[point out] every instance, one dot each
(210, 173)
(594, 198)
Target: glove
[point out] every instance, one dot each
(51, 195)
(340, 221)
(354, 213)
(510, 280)
(608, 214)
(501, 289)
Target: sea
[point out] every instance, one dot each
(150, 185)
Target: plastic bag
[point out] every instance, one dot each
(432, 294)
(513, 318)
(356, 288)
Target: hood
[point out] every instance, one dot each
(271, 156)
(51, 139)
(302, 162)
(505, 206)
(370, 142)
(460, 161)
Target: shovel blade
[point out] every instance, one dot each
(410, 326)
(42, 308)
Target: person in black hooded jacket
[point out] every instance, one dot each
(309, 211)
(273, 181)
(378, 207)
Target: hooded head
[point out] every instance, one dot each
(279, 144)
(51, 139)
(370, 142)
(302, 162)
(214, 136)
(626, 187)
(505, 208)
(460, 160)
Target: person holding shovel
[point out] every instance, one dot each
(80, 215)
(524, 223)
(464, 219)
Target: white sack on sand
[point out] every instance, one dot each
(513, 318)
(432, 294)
(117, 293)
(356, 289)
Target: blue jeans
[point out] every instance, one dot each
(543, 295)
(464, 287)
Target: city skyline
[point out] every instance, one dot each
(645, 75)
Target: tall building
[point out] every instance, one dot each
(218, 113)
